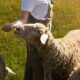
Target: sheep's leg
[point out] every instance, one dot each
(47, 76)
(75, 74)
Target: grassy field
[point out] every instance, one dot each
(66, 17)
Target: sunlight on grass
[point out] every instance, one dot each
(66, 16)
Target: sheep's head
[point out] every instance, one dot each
(34, 33)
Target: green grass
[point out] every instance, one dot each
(12, 48)
(66, 17)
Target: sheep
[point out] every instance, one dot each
(60, 56)
(4, 70)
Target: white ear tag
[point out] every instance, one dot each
(43, 38)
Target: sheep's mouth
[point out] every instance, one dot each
(16, 32)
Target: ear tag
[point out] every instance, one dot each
(43, 38)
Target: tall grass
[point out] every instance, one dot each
(66, 17)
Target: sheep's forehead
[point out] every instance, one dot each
(37, 26)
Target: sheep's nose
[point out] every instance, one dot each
(18, 28)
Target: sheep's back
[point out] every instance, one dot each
(74, 35)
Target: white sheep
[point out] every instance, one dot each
(60, 56)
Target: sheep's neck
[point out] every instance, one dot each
(49, 52)
(47, 49)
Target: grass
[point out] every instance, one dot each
(12, 48)
(66, 17)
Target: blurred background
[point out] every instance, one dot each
(66, 18)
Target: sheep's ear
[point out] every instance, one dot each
(43, 38)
